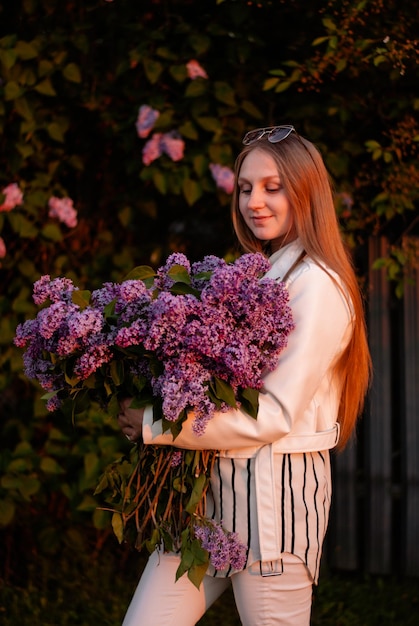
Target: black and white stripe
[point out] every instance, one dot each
(302, 485)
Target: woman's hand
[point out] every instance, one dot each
(130, 420)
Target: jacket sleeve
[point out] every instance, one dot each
(322, 329)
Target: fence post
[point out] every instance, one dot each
(410, 428)
(377, 546)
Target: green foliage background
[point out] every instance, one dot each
(73, 75)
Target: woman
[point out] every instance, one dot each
(272, 484)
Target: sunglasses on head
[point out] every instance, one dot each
(274, 134)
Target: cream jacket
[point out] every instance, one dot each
(298, 406)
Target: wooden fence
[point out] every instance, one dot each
(374, 524)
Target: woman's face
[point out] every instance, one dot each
(262, 201)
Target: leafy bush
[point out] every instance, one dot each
(74, 75)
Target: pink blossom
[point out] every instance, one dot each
(195, 70)
(152, 149)
(3, 250)
(173, 146)
(146, 119)
(169, 143)
(63, 210)
(223, 176)
(14, 196)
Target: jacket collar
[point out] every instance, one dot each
(283, 259)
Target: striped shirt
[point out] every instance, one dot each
(299, 508)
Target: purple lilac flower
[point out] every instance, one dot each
(195, 70)
(51, 318)
(67, 345)
(132, 335)
(176, 459)
(53, 403)
(84, 323)
(105, 295)
(208, 264)
(91, 360)
(152, 149)
(223, 177)
(146, 119)
(162, 280)
(181, 386)
(225, 548)
(133, 300)
(173, 145)
(167, 316)
(63, 210)
(25, 332)
(12, 197)
(55, 290)
(237, 551)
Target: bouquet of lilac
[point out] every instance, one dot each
(188, 337)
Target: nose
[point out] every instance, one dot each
(256, 199)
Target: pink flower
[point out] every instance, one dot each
(169, 143)
(173, 145)
(152, 149)
(13, 197)
(223, 176)
(195, 70)
(146, 119)
(63, 210)
(3, 250)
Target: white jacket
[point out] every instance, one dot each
(299, 403)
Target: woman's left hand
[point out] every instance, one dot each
(130, 420)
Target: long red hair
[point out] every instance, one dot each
(307, 185)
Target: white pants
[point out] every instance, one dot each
(280, 600)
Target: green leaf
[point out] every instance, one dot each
(7, 511)
(196, 88)
(81, 297)
(225, 93)
(211, 124)
(29, 487)
(282, 86)
(23, 109)
(178, 72)
(117, 372)
(153, 70)
(249, 399)
(153, 541)
(142, 272)
(118, 526)
(196, 494)
(192, 190)
(179, 274)
(12, 90)
(45, 87)
(8, 58)
(270, 83)
(22, 226)
(223, 391)
(196, 573)
(160, 181)
(26, 50)
(52, 232)
(72, 73)
(56, 131)
(50, 466)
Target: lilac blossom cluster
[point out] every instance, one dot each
(224, 547)
(229, 323)
(66, 343)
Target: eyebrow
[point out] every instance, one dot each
(276, 177)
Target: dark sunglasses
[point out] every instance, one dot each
(275, 134)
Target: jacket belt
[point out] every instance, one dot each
(313, 442)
